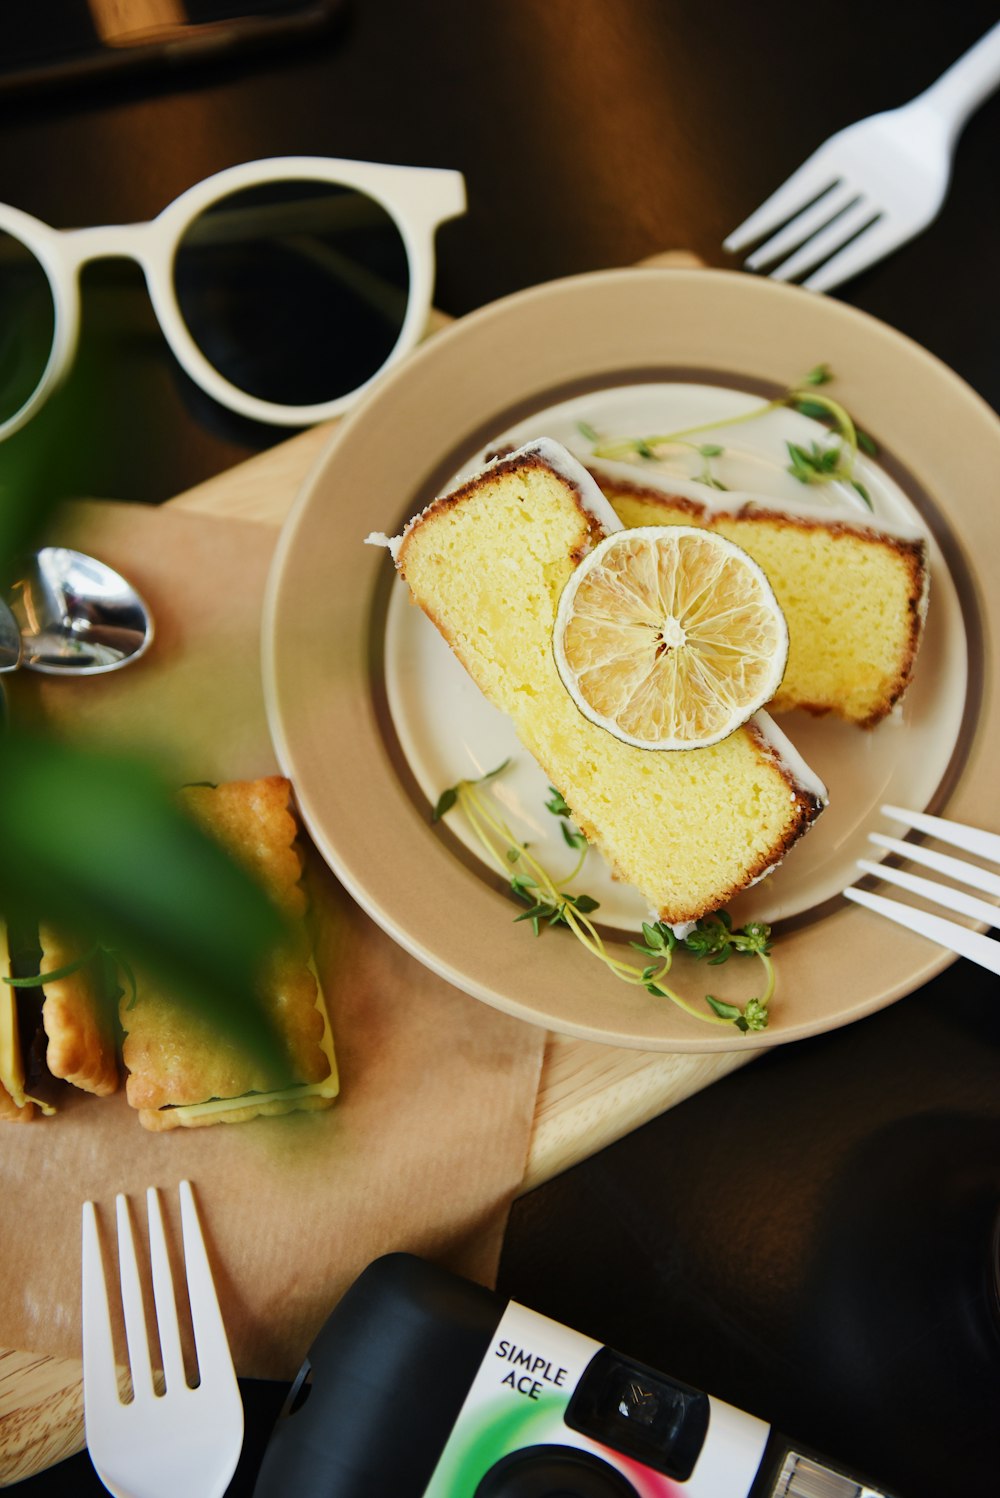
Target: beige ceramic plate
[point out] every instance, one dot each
(364, 799)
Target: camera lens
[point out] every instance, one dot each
(553, 1472)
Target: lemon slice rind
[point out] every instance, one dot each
(719, 683)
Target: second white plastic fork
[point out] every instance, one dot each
(186, 1440)
(873, 185)
(981, 949)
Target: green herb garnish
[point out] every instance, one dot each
(809, 466)
(38, 980)
(557, 803)
(821, 465)
(448, 798)
(110, 958)
(550, 903)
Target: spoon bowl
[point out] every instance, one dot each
(10, 640)
(75, 615)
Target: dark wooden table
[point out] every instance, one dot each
(807, 1238)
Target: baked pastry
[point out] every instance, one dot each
(181, 1071)
(854, 594)
(16, 1106)
(64, 1029)
(78, 1018)
(487, 563)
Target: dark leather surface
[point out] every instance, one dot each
(809, 1239)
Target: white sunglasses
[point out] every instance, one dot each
(284, 287)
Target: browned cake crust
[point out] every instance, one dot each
(805, 809)
(593, 530)
(450, 576)
(911, 552)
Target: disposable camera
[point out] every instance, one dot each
(422, 1385)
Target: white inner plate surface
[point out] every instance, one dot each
(448, 731)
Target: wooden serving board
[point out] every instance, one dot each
(589, 1094)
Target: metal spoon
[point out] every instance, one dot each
(74, 616)
(10, 640)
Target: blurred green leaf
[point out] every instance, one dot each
(96, 843)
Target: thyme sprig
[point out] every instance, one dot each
(551, 903)
(813, 465)
(111, 956)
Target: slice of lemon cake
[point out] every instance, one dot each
(854, 594)
(488, 563)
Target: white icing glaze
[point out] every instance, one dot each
(566, 466)
(379, 538)
(735, 501)
(790, 758)
(562, 462)
(740, 502)
(554, 456)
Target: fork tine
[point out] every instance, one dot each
(813, 217)
(855, 219)
(872, 244)
(942, 894)
(135, 1316)
(811, 179)
(188, 1440)
(163, 1296)
(972, 944)
(99, 1372)
(211, 1343)
(971, 839)
(941, 863)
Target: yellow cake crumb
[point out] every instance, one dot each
(688, 828)
(854, 596)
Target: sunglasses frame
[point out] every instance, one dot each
(417, 199)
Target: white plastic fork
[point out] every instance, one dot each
(873, 185)
(984, 950)
(185, 1440)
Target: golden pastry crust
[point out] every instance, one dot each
(254, 822)
(176, 1057)
(77, 1018)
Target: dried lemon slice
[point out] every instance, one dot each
(669, 637)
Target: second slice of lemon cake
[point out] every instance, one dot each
(688, 828)
(853, 591)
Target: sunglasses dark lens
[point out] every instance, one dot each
(294, 291)
(27, 324)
